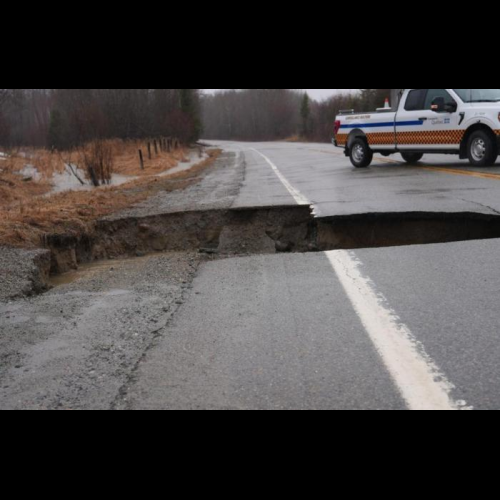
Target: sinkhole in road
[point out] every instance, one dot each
(263, 230)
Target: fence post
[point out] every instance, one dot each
(141, 159)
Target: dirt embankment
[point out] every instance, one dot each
(31, 222)
(23, 272)
(226, 231)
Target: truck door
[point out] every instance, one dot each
(428, 119)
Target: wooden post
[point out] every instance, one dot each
(169, 145)
(149, 150)
(156, 147)
(141, 159)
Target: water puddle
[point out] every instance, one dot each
(84, 270)
(88, 270)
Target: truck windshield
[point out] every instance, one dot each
(479, 95)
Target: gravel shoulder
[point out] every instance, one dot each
(217, 189)
(79, 345)
(24, 272)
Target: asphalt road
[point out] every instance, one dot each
(281, 332)
(297, 332)
(392, 328)
(413, 327)
(325, 177)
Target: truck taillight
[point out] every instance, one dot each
(337, 127)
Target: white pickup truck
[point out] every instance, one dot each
(464, 122)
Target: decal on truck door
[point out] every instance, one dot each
(381, 139)
(422, 138)
(431, 137)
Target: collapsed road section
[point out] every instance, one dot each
(264, 230)
(202, 219)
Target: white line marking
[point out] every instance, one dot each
(419, 380)
(297, 195)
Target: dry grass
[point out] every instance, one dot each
(16, 188)
(124, 160)
(46, 162)
(26, 224)
(126, 156)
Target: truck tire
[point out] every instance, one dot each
(412, 158)
(482, 149)
(360, 153)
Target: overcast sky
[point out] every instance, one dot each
(316, 93)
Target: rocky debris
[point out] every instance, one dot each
(23, 272)
(78, 346)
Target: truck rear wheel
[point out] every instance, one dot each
(482, 149)
(412, 157)
(360, 153)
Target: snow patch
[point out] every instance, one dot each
(30, 171)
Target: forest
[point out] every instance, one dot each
(66, 118)
(62, 119)
(280, 114)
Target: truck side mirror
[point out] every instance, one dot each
(438, 105)
(451, 107)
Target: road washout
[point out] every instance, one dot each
(81, 345)
(200, 218)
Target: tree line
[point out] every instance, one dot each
(277, 114)
(67, 118)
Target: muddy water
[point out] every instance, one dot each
(87, 270)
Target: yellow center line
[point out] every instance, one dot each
(480, 175)
(451, 171)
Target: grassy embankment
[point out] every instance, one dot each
(29, 212)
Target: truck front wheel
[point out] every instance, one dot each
(360, 153)
(412, 158)
(482, 149)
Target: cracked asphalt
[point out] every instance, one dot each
(374, 329)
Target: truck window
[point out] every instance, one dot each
(432, 94)
(479, 95)
(465, 94)
(415, 100)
